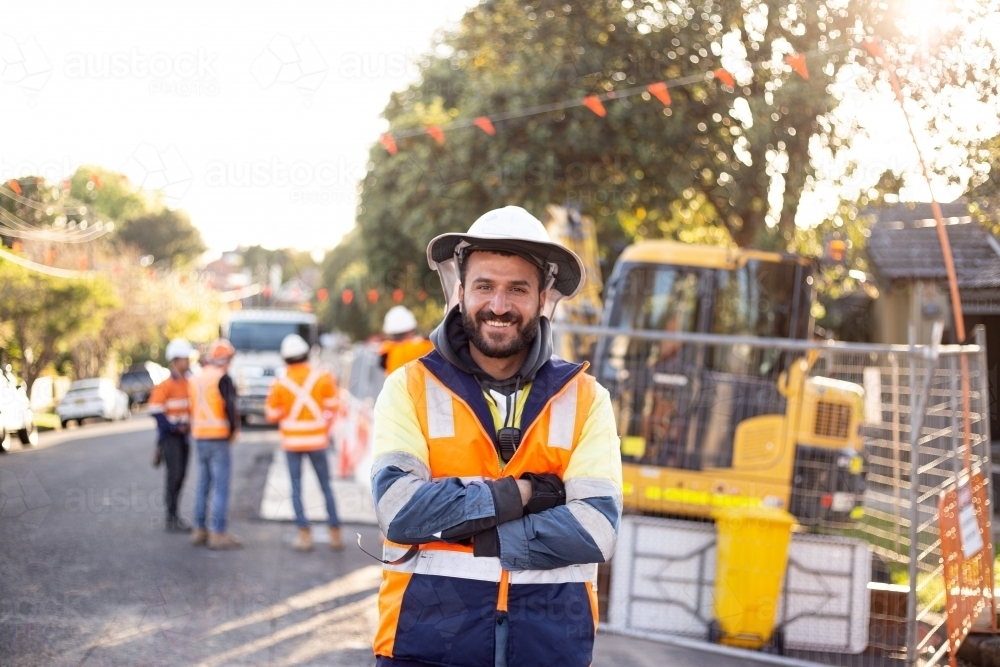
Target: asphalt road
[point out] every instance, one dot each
(89, 578)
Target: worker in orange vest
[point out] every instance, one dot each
(402, 344)
(215, 427)
(168, 403)
(302, 403)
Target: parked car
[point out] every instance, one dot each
(95, 397)
(138, 381)
(15, 412)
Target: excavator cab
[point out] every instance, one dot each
(706, 424)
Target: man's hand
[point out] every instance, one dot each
(234, 436)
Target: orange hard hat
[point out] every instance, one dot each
(220, 349)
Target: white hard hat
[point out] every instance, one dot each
(294, 346)
(509, 229)
(179, 348)
(398, 320)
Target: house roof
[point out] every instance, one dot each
(915, 252)
(907, 214)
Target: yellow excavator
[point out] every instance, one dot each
(713, 425)
(718, 425)
(734, 423)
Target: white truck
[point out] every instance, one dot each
(257, 334)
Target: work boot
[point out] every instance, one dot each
(199, 537)
(304, 540)
(221, 541)
(176, 524)
(336, 543)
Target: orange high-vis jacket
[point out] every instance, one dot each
(208, 409)
(398, 353)
(434, 450)
(170, 398)
(302, 402)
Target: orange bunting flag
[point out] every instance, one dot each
(874, 48)
(437, 133)
(389, 143)
(660, 92)
(725, 77)
(397, 295)
(372, 295)
(485, 124)
(15, 186)
(798, 63)
(593, 102)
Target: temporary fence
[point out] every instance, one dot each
(881, 452)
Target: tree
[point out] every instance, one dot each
(141, 219)
(110, 194)
(167, 234)
(43, 317)
(984, 195)
(715, 146)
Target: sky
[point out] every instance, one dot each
(255, 119)
(259, 122)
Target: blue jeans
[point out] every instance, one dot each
(318, 458)
(214, 465)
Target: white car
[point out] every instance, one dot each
(95, 397)
(15, 413)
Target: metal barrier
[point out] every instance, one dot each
(705, 422)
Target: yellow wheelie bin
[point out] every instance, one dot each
(752, 553)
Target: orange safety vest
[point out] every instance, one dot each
(302, 402)
(208, 409)
(458, 446)
(170, 398)
(398, 353)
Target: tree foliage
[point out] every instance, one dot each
(715, 148)
(167, 234)
(141, 219)
(45, 317)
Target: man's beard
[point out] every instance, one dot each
(526, 333)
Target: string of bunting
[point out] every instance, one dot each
(595, 103)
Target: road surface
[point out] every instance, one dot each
(88, 577)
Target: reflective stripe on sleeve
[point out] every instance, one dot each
(596, 524)
(579, 488)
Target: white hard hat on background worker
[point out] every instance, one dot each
(179, 348)
(398, 320)
(294, 346)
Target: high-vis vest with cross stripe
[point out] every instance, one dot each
(208, 409)
(459, 446)
(302, 402)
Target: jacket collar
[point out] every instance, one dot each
(553, 375)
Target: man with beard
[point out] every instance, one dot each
(497, 473)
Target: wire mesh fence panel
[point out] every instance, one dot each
(857, 443)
